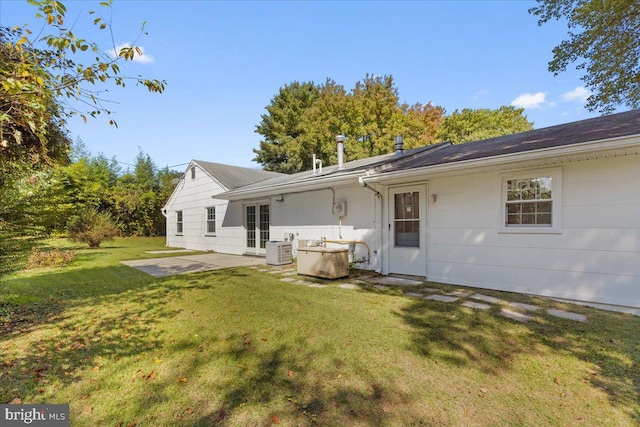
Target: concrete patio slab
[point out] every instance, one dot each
(514, 315)
(486, 298)
(161, 267)
(568, 315)
(442, 298)
(171, 251)
(476, 305)
(318, 285)
(381, 287)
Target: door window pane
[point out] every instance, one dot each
(407, 219)
(264, 225)
(251, 226)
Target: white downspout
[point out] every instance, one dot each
(377, 208)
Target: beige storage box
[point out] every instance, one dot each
(328, 263)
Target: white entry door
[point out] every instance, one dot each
(256, 220)
(407, 231)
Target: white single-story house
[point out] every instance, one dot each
(552, 212)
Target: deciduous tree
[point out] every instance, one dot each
(604, 41)
(303, 120)
(47, 78)
(472, 125)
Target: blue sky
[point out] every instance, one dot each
(224, 61)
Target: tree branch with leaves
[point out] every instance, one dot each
(44, 79)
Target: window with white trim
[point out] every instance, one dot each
(531, 201)
(179, 222)
(211, 221)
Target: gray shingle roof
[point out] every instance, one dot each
(599, 128)
(234, 177)
(333, 171)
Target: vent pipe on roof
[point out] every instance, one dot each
(317, 165)
(340, 142)
(399, 144)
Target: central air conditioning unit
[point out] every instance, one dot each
(279, 253)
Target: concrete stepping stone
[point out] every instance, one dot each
(514, 315)
(381, 287)
(302, 282)
(348, 286)
(362, 282)
(522, 306)
(395, 281)
(414, 294)
(460, 294)
(363, 278)
(442, 298)
(318, 285)
(290, 273)
(288, 279)
(430, 290)
(568, 315)
(476, 305)
(486, 298)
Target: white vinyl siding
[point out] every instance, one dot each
(592, 257)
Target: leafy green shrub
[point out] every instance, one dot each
(53, 258)
(92, 227)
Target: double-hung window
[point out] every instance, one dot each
(531, 201)
(179, 222)
(211, 221)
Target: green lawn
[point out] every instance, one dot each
(239, 347)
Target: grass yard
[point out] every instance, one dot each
(241, 348)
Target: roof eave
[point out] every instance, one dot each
(290, 187)
(477, 165)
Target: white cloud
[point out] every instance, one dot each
(480, 94)
(580, 94)
(532, 101)
(140, 59)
